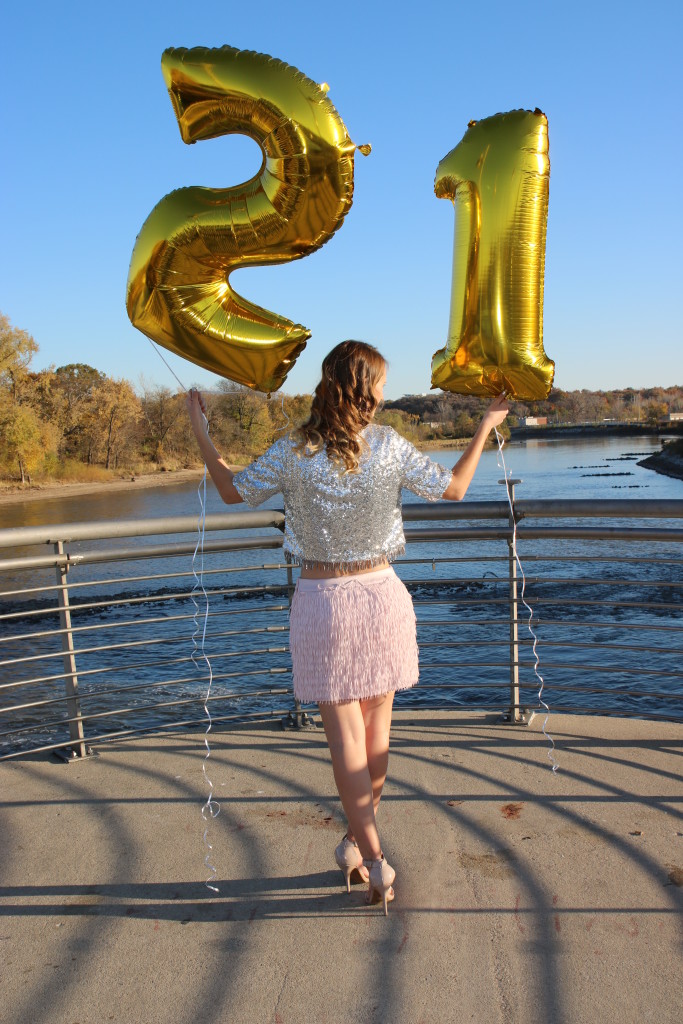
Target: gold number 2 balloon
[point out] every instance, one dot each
(178, 290)
(498, 178)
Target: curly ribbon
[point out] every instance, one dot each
(288, 421)
(211, 808)
(551, 742)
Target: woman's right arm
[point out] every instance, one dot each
(463, 471)
(221, 474)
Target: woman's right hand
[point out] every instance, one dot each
(497, 411)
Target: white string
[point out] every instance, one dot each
(211, 808)
(287, 419)
(551, 742)
(168, 366)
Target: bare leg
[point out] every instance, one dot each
(346, 738)
(377, 717)
(376, 713)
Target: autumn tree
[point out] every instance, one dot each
(106, 422)
(464, 425)
(17, 348)
(239, 412)
(118, 410)
(25, 436)
(73, 409)
(239, 403)
(404, 423)
(23, 443)
(165, 432)
(656, 411)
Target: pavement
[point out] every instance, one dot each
(522, 895)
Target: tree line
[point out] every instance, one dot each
(73, 422)
(455, 416)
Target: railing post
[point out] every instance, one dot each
(78, 747)
(296, 718)
(515, 713)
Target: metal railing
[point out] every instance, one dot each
(90, 650)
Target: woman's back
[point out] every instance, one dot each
(339, 519)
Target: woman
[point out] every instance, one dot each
(352, 624)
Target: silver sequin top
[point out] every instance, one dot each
(343, 520)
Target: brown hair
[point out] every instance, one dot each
(343, 403)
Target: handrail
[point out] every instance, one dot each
(617, 508)
(104, 620)
(634, 508)
(50, 534)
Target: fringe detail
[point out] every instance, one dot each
(353, 640)
(346, 566)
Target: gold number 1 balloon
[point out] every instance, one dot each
(178, 290)
(497, 178)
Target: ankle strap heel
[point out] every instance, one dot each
(349, 860)
(382, 876)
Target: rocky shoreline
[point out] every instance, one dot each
(668, 462)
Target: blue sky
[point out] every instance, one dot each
(91, 145)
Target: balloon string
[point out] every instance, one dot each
(211, 808)
(551, 742)
(287, 419)
(166, 364)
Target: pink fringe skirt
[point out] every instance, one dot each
(352, 637)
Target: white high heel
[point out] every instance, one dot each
(382, 876)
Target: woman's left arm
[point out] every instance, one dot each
(464, 469)
(221, 474)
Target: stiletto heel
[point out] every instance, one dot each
(382, 876)
(349, 859)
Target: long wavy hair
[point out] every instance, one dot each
(343, 403)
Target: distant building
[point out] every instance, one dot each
(675, 417)
(534, 421)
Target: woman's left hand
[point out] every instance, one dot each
(497, 411)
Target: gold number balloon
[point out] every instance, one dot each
(497, 178)
(178, 290)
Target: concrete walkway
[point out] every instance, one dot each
(521, 895)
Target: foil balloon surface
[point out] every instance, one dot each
(178, 290)
(498, 179)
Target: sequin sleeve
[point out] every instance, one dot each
(420, 474)
(265, 476)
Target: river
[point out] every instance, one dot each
(577, 468)
(592, 468)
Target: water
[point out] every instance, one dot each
(562, 469)
(452, 589)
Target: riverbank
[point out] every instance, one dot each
(445, 443)
(12, 493)
(668, 462)
(589, 430)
